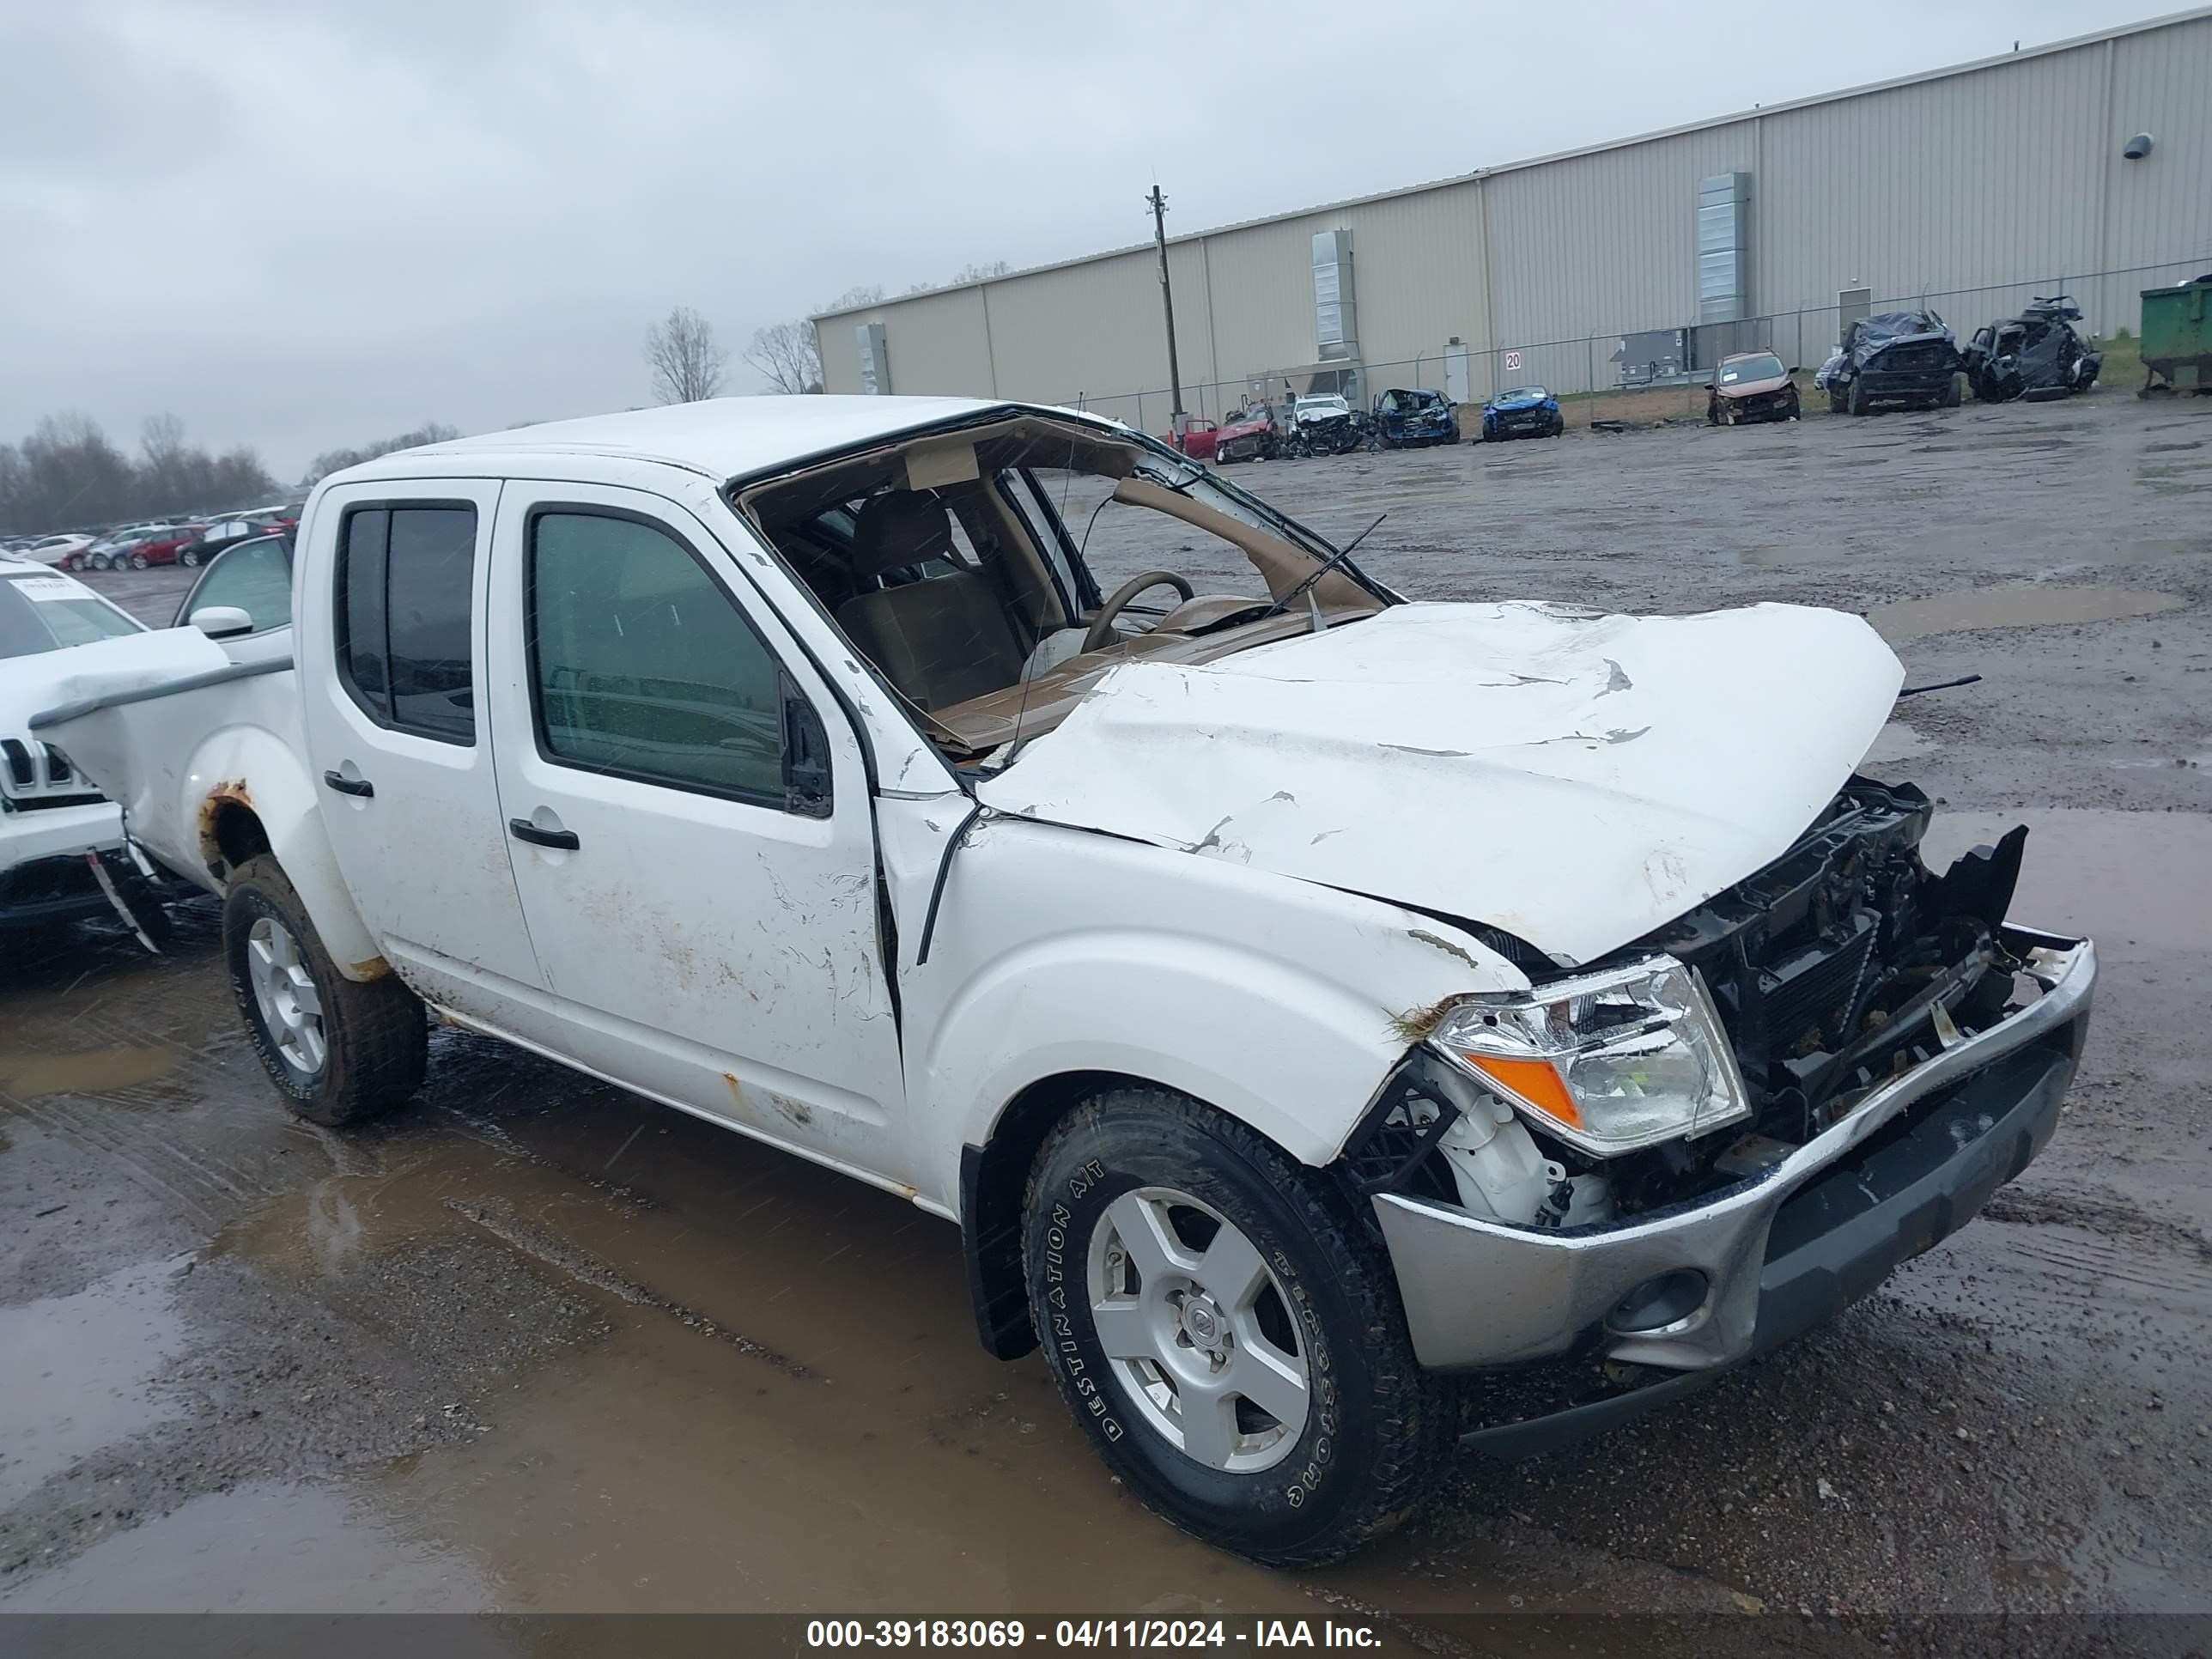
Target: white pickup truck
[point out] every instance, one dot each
(1304, 1000)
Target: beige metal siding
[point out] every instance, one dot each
(1606, 241)
(1418, 261)
(1262, 298)
(1082, 329)
(1932, 188)
(2159, 208)
(1974, 188)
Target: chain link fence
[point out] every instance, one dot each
(1646, 376)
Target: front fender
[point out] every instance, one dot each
(1279, 1002)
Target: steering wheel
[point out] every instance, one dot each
(1102, 629)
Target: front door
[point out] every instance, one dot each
(690, 826)
(400, 752)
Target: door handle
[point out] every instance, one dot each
(523, 829)
(346, 785)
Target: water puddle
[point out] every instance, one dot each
(95, 1071)
(2173, 479)
(76, 1372)
(1787, 553)
(2125, 878)
(1897, 742)
(2161, 763)
(262, 1547)
(788, 1408)
(2023, 605)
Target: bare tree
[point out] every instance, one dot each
(67, 474)
(785, 354)
(686, 363)
(976, 273)
(164, 439)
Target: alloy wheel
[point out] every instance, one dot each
(291, 1008)
(1197, 1330)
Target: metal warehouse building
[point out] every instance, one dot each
(1970, 188)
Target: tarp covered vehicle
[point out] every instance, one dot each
(2036, 355)
(1904, 359)
(1404, 417)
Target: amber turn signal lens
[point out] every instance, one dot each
(1536, 1081)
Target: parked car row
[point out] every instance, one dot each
(1911, 360)
(152, 542)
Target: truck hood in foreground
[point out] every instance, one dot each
(1575, 779)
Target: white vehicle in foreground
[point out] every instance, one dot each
(1301, 999)
(62, 855)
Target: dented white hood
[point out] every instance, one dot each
(1575, 779)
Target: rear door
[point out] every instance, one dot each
(691, 826)
(395, 624)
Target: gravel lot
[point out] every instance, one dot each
(538, 1346)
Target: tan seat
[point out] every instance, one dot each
(940, 641)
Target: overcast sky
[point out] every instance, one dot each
(299, 225)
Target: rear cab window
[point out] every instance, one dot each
(406, 581)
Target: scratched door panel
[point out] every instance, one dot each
(701, 938)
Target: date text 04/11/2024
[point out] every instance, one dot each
(1088, 1633)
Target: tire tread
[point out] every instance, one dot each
(378, 1039)
(1417, 1427)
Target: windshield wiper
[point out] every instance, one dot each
(1326, 565)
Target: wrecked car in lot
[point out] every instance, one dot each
(1324, 424)
(1302, 1004)
(1405, 418)
(1751, 385)
(1247, 435)
(2036, 356)
(1893, 359)
(1525, 411)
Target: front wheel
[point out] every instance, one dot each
(1858, 397)
(139, 561)
(189, 558)
(339, 1050)
(1227, 1335)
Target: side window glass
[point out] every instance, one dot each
(643, 666)
(256, 578)
(405, 584)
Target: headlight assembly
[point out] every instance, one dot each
(1608, 1062)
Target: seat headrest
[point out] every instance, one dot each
(897, 528)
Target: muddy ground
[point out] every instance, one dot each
(536, 1345)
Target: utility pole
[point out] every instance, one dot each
(1158, 204)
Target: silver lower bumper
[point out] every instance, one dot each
(1481, 1294)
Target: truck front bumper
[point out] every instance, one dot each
(1911, 1163)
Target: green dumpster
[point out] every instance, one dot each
(2177, 337)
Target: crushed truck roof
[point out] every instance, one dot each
(721, 437)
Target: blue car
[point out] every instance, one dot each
(1404, 417)
(1526, 411)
